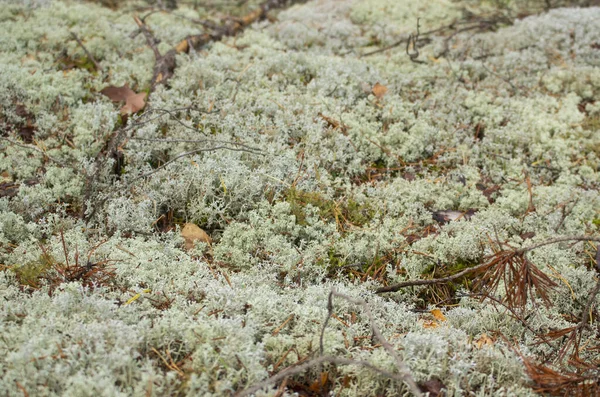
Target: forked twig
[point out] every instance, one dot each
(404, 375)
(35, 149)
(298, 369)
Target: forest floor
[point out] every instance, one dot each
(330, 197)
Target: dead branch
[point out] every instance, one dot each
(481, 25)
(87, 53)
(191, 152)
(165, 64)
(513, 312)
(443, 280)
(297, 369)
(35, 149)
(404, 375)
(163, 70)
(404, 371)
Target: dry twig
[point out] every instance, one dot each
(404, 375)
(498, 257)
(87, 53)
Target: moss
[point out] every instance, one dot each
(592, 122)
(33, 273)
(445, 294)
(343, 212)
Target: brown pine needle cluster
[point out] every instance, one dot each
(521, 279)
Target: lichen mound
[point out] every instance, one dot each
(245, 220)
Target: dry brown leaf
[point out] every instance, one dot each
(183, 46)
(379, 90)
(484, 340)
(133, 102)
(430, 324)
(446, 216)
(433, 386)
(117, 94)
(192, 233)
(437, 313)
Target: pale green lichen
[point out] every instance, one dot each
(344, 188)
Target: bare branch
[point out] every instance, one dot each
(413, 39)
(443, 280)
(87, 53)
(404, 375)
(34, 148)
(191, 152)
(404, 371)
(297, 369)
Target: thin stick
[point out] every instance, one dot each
(34, 148)
(87, 53)
(404, 370)
(290, 371)
(249, 148)
(185, 154)
(559, 240)
(443, 280)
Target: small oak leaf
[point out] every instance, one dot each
(133, 102)
(117, 94)
(379, 90)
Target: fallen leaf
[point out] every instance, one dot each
(526, 236)
(451, 215)
(117, 94)
(488, 191)
(319, 385)
(133, 102)
(183, 46)
(192, 233)
(433, 386)
(430, 324)
(379, 90)
(484, 340)
(437, 313)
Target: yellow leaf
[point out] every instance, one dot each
(437, 313)
(430, 324)
(183, 46)
(133, 299)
